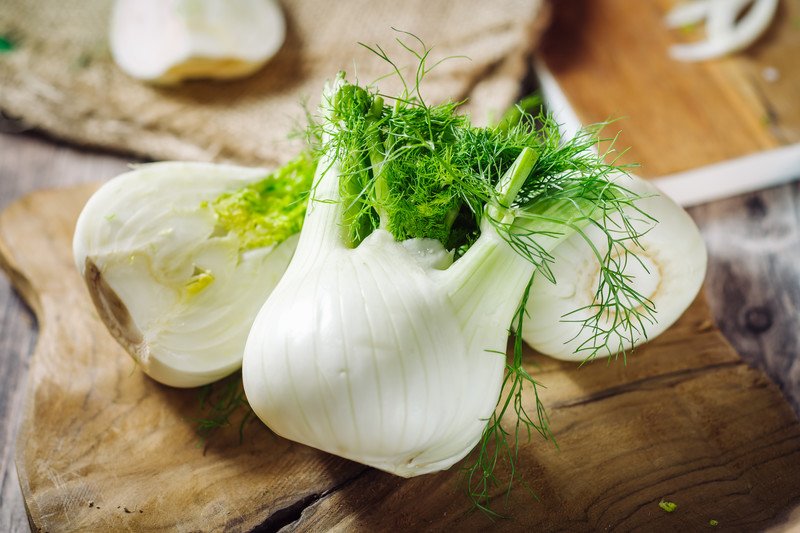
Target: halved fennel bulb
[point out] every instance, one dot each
(167, 41)
(176, 289)
(668, 270)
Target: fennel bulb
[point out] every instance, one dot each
(168, 41)
(374, 355)
(664, 273)
(174, 273)
(373, 346)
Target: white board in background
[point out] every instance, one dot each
(699, 185)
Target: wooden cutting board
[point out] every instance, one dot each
(104, 448)
(610, 58)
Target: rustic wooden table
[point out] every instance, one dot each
(753, 282)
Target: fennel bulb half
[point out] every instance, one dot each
(664, 272)
(173, 274)
(168, 41)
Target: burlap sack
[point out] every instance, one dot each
(60, 77)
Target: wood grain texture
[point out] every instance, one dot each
(686, 420)
(26, 164)
(754, 245)
(610, 58)
(16, 343)
(612, 471)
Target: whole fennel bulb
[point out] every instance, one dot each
(376, 345)
(378, 355)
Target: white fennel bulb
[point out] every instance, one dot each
(377, 354)
(385, 340)
(173, 280)
(168, 41)
(664, 273)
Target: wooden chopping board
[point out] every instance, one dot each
(104, 448)
(611, 60)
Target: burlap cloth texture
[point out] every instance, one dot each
(60, 76)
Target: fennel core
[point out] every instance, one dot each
(269, 211)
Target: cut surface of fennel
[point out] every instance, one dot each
(175, 289)
(666, 268)
(168, 41)
(377, 355)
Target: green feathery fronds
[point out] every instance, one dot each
(271, 210)
(219, 404)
